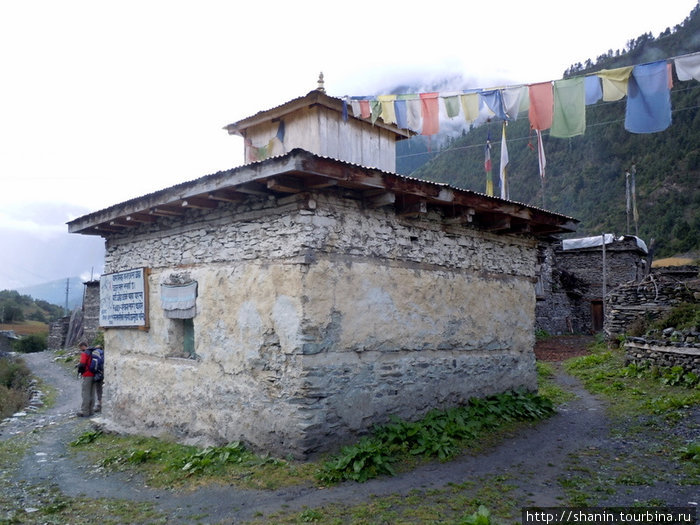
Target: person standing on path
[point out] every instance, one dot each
(87, 380)
(99, 355)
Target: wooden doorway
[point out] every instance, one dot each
(597, 316)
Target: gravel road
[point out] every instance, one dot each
(536, 458)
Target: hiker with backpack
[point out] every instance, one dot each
(87, 385)
(97, 367)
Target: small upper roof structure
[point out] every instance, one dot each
(323, 125)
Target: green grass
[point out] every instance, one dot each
(480, 501)
(647, 406)
(168, 464)
(548, 388)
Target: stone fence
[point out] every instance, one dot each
(642, 351)
(636, 303)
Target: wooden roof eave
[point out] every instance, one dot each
(300, 171)
(314, 98)
(176, 195)
(355, 176)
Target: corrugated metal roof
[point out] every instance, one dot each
(300, 163)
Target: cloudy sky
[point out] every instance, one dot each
(101, 101)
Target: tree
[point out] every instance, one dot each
(11, 313)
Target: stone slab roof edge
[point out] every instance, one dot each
(290, 162)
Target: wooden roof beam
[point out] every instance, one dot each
(225, 196)
(140, 218)
(166, 211)
(110, 228)
(495, 223)
(285, 184)
(121, 222)
(415, 209)
(200, 203)
(252, 188)
(385, 198)
(464, 216)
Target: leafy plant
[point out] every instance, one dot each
(481, 517)
(214, 457)
(440, 434)
(86, 438)
(690, 452)
(367, 459)
(541, 334)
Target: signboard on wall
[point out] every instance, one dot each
(124, 299)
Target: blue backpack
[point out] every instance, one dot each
(97, 363)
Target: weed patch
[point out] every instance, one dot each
(168, 464)
(440, 434)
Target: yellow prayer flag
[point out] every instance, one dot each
(388, 113)
(470, 106)
(615, 82)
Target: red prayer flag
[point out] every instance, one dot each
(364, 109)
(541, 105)
(430, 111)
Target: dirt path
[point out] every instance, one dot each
(535, 459)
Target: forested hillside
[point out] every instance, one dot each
(585, 176)
(15, 308)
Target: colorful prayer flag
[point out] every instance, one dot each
(615, 82)
(470, 106)
(688, 67)
(649, 99)
(541, 105)
(487, 167)
(569, 117)
(430, 111)
(505, 194)
(388, 111)
(540, 153)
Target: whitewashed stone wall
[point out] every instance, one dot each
(317, 318)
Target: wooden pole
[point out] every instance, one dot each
(604, 279)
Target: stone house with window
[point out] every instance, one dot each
(297, 300)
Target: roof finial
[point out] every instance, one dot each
(320, 83)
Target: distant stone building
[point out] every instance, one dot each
(82, 325)
(297, 300)
(570, 279)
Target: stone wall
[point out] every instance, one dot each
(81, 325)
(316, 318)
(664, 354)
(632, 303)
(57, 333)
(91, 310)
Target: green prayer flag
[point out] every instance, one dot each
(569, 117)
(451, 106)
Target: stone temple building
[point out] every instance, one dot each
(297, 300)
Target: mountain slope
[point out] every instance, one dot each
(586, 174)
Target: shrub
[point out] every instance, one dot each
(30, 343)
(15, 381)
(685, 315)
